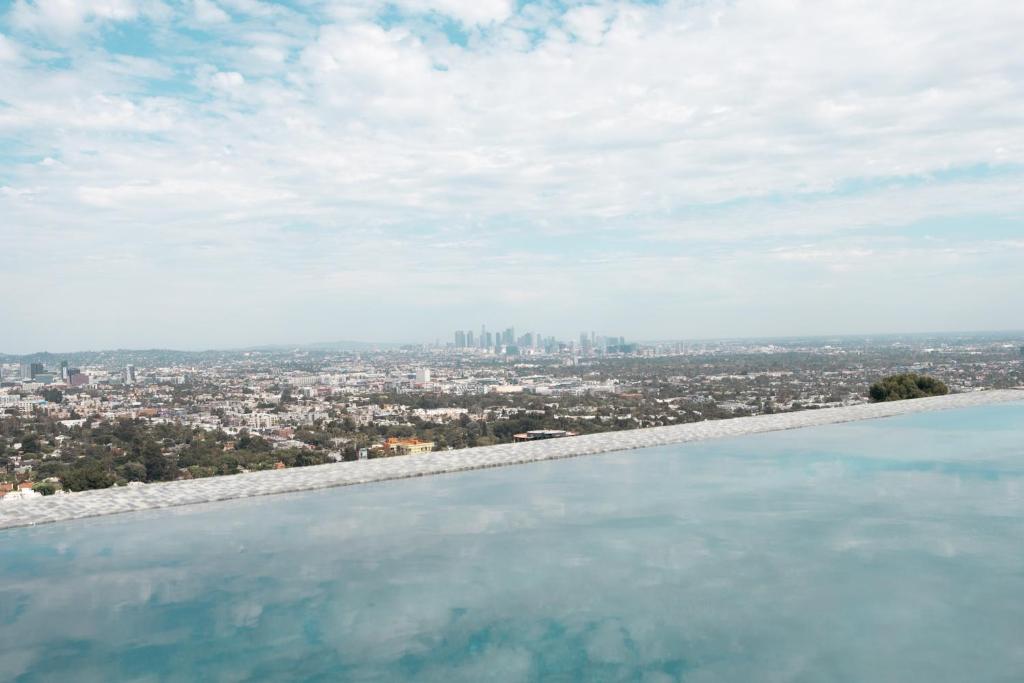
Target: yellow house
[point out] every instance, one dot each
(408, 446)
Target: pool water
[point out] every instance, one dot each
(885, 550)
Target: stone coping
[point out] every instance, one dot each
(174, 493)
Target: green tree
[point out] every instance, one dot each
(30, 444)
(87, 475)
(159, 467)
(44, 487)
(132, 471)
(53, 395)
(906, 385)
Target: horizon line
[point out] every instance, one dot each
(309, 345)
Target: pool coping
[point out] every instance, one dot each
(101, 502)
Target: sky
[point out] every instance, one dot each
(217, 173)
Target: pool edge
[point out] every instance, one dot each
(103, 502)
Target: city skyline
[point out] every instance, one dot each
(222, 173)
(568, 339)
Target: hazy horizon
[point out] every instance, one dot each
(228, 173)
(395, 343)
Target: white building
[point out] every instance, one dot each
(19, 496)
(262, 420)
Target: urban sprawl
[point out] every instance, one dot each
(86, 420)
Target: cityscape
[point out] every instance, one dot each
(507, 343)
(511, 341)
(119, 418)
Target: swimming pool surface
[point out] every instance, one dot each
(884, 550)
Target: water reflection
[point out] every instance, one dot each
(875, 551)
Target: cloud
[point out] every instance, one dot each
(587, 23)
(609, 143)
(70, 16)
(224, 81)
(469, 12)
(255, 7)
(8, 50)
(208, 12)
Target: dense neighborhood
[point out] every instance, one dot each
(94, 420)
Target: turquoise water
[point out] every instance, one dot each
(889, 550)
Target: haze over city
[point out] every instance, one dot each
(225, 173)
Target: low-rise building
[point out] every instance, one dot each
(394, 446)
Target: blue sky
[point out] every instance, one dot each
(233, 172)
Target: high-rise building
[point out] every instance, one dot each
(129, 374)
(470, 341)
(510, 336)
(460, 339)
(423, 376)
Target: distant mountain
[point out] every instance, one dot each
(128, 355)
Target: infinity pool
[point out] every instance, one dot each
(886, 550)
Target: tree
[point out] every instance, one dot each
(87, 475)
(132, 471)
(906, 385)
(53, 396)
(45, 488)
(30, 444)
(158, 466)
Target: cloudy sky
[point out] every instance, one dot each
(207, 173)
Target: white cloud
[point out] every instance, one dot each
(470, 12)
(8, 50)
(226, 81)
(208, 12)
(673, 128)
(16, 192)
(99, 112)
(255, 7)
(70, 16)
(587, 23)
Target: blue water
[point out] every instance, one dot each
(889, 550)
